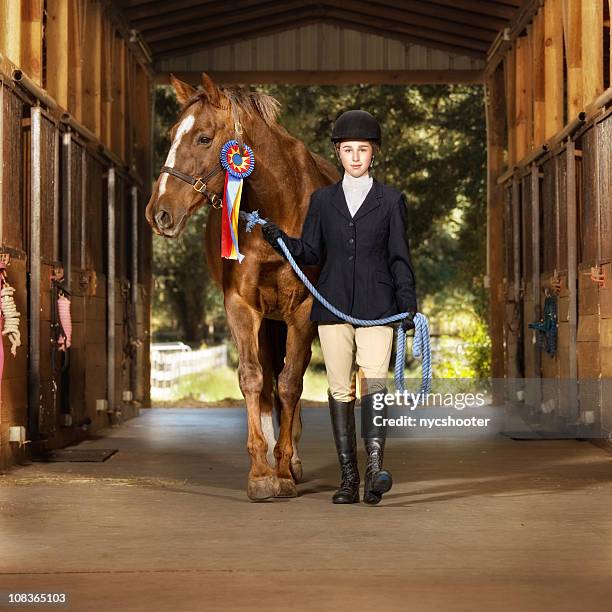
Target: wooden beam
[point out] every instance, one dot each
(453, 13)
(108, 38)
(76, 41)
(58, 52)
(10, 30)
(211, 17)
(254, 14)
(510, 83)
(495, 221)
(161, 7)
(610, 42)
(92, 73)
(592, 51)
(521, 94)
(250, 27)
(31, 39)
(529, 87)
(538, 80)
(118, 98)
(329, 77)
(553, 68)
(479, 7)
(298, 19)
(572, 31)
(429, 25)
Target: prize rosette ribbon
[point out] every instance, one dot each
(238, 165)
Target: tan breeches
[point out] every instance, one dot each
(345, 346)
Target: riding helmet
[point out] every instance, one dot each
(356, 125)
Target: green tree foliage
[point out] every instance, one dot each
(433, 150)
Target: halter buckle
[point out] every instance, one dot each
(199, 185)
(215, 201)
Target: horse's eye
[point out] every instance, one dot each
(204, 140)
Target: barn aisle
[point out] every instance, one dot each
(165, 524)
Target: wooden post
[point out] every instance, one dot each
(58, 48)
(523, 87)
(108, 37)
(495, 221)
(118, 93)
(510, 79)
(610, 34)
(10, 30)
(77, 20)
(572, 30)
(553, 68)
(592, 50)
(31, 39)
(92, 72)
(538, 80)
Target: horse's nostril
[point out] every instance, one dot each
(163, 219)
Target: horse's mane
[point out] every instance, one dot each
(244, 99)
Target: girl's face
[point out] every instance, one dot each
(355, 156)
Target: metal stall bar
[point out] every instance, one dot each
(535, 255)
(516, 257)
(134, 289)
(572, 274)
(67, 208)
(34, 305)
(110, 291)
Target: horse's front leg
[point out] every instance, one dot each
(244, 323)
(300, 333)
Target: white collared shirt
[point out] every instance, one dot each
(356, 190)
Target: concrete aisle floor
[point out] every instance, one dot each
(164, 524)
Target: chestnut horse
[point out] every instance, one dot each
(267, 306)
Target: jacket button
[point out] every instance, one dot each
(351, 224)
(351, 241)
(350, 257)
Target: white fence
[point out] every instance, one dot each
(170, 363)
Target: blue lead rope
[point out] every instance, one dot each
(421, 348)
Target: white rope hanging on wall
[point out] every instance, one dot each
(11, 316)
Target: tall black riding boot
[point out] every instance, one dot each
(343, 425)
(376, 480)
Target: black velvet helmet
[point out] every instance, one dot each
(356, 125)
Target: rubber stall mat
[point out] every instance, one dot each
(77, 455)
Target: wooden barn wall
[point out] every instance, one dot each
(85, 68)
(14, 384)
(582, 366)
(549, 96)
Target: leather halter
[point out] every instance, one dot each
(199, 182)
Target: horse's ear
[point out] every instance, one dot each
(212, 91)
(184, 91)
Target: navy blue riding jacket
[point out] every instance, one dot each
(367, 270)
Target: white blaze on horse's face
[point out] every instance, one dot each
(183, 129)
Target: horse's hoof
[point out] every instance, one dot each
(287, 488)
(296, 470)
(263, 488)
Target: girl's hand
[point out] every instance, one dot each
(271, 232)
(408, 322)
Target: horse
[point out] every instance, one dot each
(267, 306)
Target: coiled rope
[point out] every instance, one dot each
(421, 347)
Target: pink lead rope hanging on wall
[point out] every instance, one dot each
(65, 317)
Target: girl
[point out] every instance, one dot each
(356, 229)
